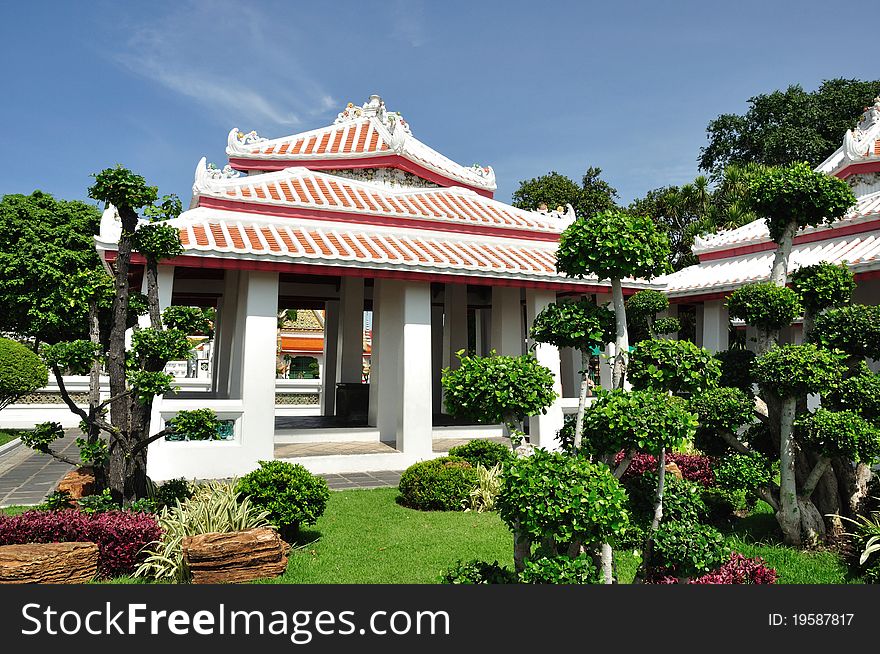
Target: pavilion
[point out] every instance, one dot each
(355, 216)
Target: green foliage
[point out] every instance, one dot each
(21, 372)
(682, 499)
(859, 393)
(674, 366)
(95, 453)
(171, 492)
(478, 572)
(98, 503)
(765, 306)
(579, 324)
(498, 388)
(783, 127)
(638, 420)
(482, 452)
(839, 433)
(442, 484)
(42, 436)
(560, 569)
(688, 549)
(482, 497)
(792, 370)
(195, 425)
(555, 191)
(44, 244)
(57, 501)
(744, 474)
(76, 357)
(138, 305)
(215, 507)
(795, 193)
(556, 496)
(147, 385)
(154, 348)
(290, 494)
(855, 329)
(736, 369)
(157, 242)
(189, 320)
(167, 208)
(823, 285)
(613, 245)
(866, 538)
(722, 408)
(646, 304)
(668, 325)
(123, 189)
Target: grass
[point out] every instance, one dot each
(7, 435)
(365, 537)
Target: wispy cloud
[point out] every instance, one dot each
(408, 22)
(191, 52)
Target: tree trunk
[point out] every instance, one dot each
(607, 559)
(582, 401)
(152, 273)
(661, 482)
(621, 342)
(779, 271)
(788, 515)
(93, 432)
(522, 548)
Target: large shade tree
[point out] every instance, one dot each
(555, 190)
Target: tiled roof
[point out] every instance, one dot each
(358, 137)
(867, 208)
(861, 252)
(300, 188)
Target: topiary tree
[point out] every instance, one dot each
(578, 324)
(21, 372)
(498, 389)
(677, 367)
(854, 329)
(790, 198)
(721, 412)
(788, 372)
(613, 245)
(582, 504)
(822, 286)
(766, 306)
(736, 369)
(641, 312)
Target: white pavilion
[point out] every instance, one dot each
(352, 217)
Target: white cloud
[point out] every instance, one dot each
(408, 22)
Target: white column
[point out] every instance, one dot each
(715, 326)
(570, 367)
(350, 357)
(331, 357)
(507, 332)
(543, 428)
(165, 284)
(260, 333)
(401, 399)
(227, 310)
(375, 356)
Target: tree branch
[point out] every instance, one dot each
(140, 445)
(60, 457)
(110, 400)
(814, 476)
(730, 438)
(66, 396)
(621, 469)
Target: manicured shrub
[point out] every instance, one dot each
(839, 433)
(740, 475)
(292, 495)
(859, 393)
(855, 329)
(682, 499)
(442, 484)
(736, 369)
(723, 408)
(478, 572)
(120, 535)
(687, 549)
(765, 306)
(482, 452)
(677, 367)
(791, 370)
(823, 285)
(560, 569)
(21, 371)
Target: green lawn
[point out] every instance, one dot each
(7, 435)
(365, 537)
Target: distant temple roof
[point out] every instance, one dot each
(860, 151)
(360, 137)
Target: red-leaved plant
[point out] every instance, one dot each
(119, 535)
(694, 467)
(738, 570)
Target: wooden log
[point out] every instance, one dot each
(235, 557)
(48, 563)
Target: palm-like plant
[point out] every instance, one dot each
(867, 531)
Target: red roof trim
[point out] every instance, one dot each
(361, 219)
(858, 168)
(381, 161)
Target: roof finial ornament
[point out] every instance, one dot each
(857, 142)
(374, 108)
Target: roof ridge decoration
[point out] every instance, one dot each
(392, 121)
(858, 142)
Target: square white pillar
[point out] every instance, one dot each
(506, 325)
(543, 428)
(258, 356)
(165, 284)
(224, 332)
(331, 358)
(571, 364)
(715, 326)
(350, 357)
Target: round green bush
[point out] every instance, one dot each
(560, 569)
(740, 475)
(765, 306)
(823, 285)
(21, 371)
(479, 572)
(839, 433)
(855, 329)
(688, 549)
(722, 408)
(790, 370)
(292, 495)
(674, 366)
(482, 452)
(442, 484)
(859, 393)
(682, 499)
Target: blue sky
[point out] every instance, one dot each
(526, 87)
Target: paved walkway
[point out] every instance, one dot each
(27, 477)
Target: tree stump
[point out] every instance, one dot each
(48, 563)
(236, 557)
